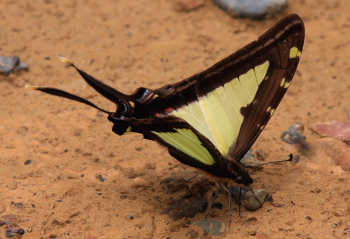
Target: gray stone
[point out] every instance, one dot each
(249, 160)
(211, 226)
(253, 200)
(9, 64)
(186, 207)
(258, 9)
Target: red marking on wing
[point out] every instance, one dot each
(166, 112)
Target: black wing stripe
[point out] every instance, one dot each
(270, 92)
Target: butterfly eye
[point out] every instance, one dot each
(239, 180)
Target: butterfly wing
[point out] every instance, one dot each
(231, 102)
(211, 119)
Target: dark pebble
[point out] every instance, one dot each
(236, 191)
(11, 230)
(102, 179)
(29, 161)
(187, 207)
(217, 205)
(9, 64)
(19, 204)
(294, 135)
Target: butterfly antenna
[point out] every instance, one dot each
(280, 161)
(188, 180)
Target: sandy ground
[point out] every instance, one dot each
(129, 44)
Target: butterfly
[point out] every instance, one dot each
(211, 119)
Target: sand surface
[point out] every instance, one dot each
(129, 44)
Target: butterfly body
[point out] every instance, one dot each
(211, 119)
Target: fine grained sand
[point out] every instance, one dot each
(129, 44)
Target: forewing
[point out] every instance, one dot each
(231, 102)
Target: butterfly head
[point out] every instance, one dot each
(239, 174)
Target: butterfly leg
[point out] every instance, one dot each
(203, 181)
(215, 196)
(230, 195)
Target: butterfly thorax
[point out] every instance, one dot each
(234, 173)
(239, 174)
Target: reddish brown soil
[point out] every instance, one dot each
(129, 44)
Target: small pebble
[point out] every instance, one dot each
(29, 161)
(186, 207)
(217, 205)
(294, 134)
(253, 200)
(255, 9)
(102, 179)
(211, 226)
(11, 230)
(249, 160)
(139, 182)
(9, 64)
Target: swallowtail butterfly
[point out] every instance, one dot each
(211, 119)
